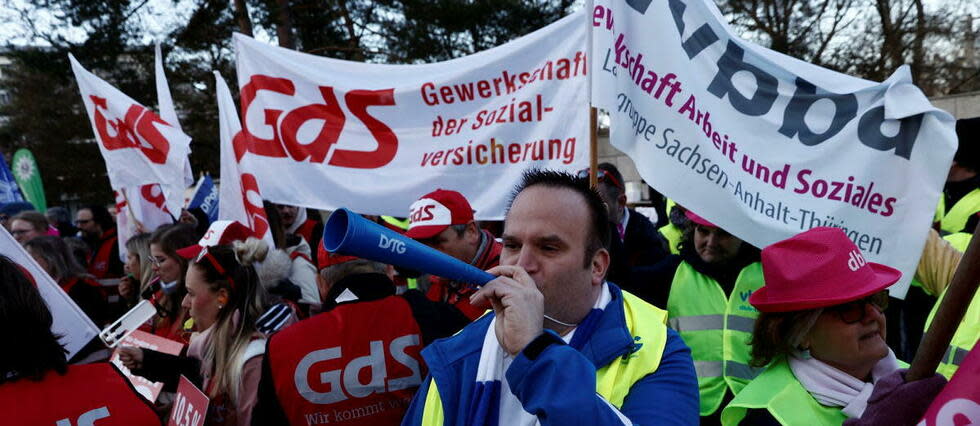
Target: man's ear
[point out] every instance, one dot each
(621, 199)
(472, 233)
(600, 266)
(323, 286)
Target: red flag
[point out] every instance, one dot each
(959, 402)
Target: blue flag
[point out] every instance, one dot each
(206, 198)
(9, 191)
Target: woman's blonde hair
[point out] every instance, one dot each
(139, 245)
(230, 268)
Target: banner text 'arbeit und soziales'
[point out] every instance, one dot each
(326, 133)
(763, 144)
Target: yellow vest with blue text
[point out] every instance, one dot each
(716, 328)
(778, 391)
(963, 340)
(955, 220)
(614, 380)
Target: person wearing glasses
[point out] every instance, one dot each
(98, 230)
(224, 357)
(635, 241)
(28, 225)
(167, 290)
(821, 336)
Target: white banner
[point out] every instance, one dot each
(763, 144)
(140, 210)
(74, 327)
(239, 197)
(139, 147)
(326, 133)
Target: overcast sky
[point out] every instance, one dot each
(159, 17)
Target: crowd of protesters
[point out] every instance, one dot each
(597, 315)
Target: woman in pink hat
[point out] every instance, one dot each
(821, 336)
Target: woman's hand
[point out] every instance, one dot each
(128, 288)
(131, 357)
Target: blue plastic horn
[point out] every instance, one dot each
(349, 233)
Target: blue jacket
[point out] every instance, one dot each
(559, 386)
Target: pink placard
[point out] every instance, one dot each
(190, 405)
(149, 390)
(959, 402)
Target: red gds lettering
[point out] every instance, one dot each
(253, 205)
(286, 125)
(154, 194)
(137, 130)
(345, 382)
(422, 214)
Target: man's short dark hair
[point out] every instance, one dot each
(101, 216)
(599, 233)
(610, 168)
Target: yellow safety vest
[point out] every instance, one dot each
(778, 391)
(963, 340)
(959, 240)
(955, 219)
(674, 235)
(716, 328)
(614, 380)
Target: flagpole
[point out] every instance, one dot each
(958, 297)
(129, 210)
(593, 124)
(593, 148)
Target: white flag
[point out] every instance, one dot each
(168, 112)
(239, 197)
(765, 145)
(70, 323)
(138, 146)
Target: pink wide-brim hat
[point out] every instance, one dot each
(817, 269)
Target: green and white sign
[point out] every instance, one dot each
(29, 178)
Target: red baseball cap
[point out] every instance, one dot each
(698, 219)
(436, 211)
(325, 258)
(816, 269)
(221, 232)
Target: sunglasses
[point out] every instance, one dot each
(83, 221)
(601, 176)
(852, 312)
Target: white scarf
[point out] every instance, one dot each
(491, 373)
(835, 388)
